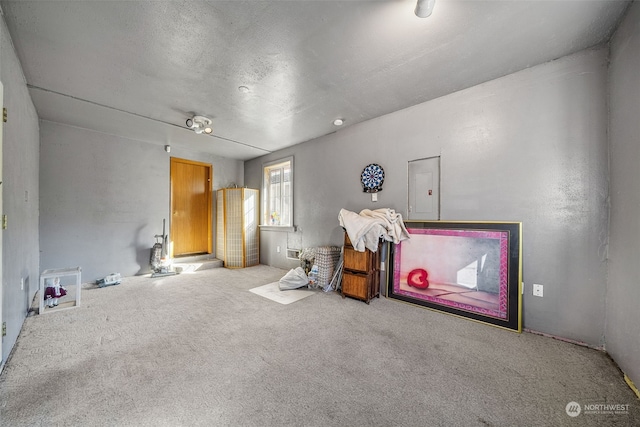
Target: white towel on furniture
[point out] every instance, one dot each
(396, 231)
(366, 228)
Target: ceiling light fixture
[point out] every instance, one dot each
(200, 124)
(338, 122)
(424, 8)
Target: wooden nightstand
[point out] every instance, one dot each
(361, 274)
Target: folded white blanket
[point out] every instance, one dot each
(366, 228)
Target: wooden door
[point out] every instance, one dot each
(190, 207)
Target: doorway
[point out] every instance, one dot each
(190, 207)
(2, 361)
(424, 189)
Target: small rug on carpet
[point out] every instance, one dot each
(272, 291)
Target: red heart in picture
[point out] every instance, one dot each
(418, 278)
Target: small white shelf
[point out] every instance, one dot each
(60, 272)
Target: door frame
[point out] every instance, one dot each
(2, 321)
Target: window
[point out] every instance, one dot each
(277, 193)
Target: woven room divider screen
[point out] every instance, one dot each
(237, 237)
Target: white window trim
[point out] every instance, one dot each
(263, 204)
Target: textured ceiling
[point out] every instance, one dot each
(139, 69)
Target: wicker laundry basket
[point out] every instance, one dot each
(326, 259)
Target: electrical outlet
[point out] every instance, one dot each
(537, 290)
(278, 249)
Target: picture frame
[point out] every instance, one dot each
(468, 269)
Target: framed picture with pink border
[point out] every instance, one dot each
(467, 269)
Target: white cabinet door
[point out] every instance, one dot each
(424, 189)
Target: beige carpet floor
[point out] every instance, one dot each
(202, 350)
(273, 292)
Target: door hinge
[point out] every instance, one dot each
(4, 329)
(4, 222)
(4, 115)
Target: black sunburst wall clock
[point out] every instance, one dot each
(372, 178)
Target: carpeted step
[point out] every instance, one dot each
(195, 263)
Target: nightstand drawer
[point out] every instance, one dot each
(355, 285)
(360, 261)
(361, 286)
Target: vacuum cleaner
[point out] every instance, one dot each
(158, 260)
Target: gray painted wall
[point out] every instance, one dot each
(104, 197)
(530, 147)
(20, 194)
(623, 292)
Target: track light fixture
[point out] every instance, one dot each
(200, 124)
(424, 8)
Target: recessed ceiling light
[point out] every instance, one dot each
(243, 89)
(338, 122)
